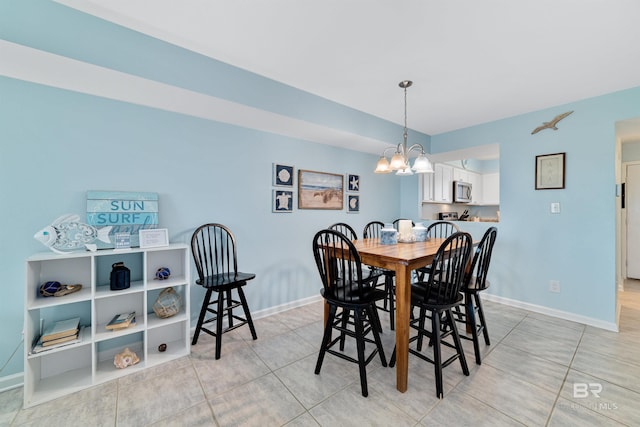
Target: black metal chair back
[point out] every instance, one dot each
(372, 230)
(339, 266)
(477, 274)
(214, 252)
(442, 229)
(345, 229)
(450, 262)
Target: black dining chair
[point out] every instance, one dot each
(372, 231)
(214, 252)
(437, 230)
(396, 222)
(435, 299)
(371, 274)
(343, 287)
(475, 281)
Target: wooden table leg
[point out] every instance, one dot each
(403, 309)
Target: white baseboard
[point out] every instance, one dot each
(610, 326)
(277, 309)
(11, 381)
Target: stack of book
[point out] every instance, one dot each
(122, 321)
(58, 334)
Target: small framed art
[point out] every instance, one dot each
(550, 171)
(282, 201)
(282, 175)
(353, 204)
(353, 183)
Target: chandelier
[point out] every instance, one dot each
(400, 159)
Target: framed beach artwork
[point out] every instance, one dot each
(320, 190)
(282, 201)
(282, 175)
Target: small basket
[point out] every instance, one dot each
(167, 304)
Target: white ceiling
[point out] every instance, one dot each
(471, 61)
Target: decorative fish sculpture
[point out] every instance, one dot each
(67, 233)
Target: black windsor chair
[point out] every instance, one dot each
(340, 270)
(438, 296)
(214, 251)
(437, 230)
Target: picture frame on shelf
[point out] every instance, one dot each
(154, 238)
(320, 190)
(282, 201)
(353, 203)
(282, 175)
(550, 171)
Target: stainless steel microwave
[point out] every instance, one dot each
(461, 192)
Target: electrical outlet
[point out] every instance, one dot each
(554, 286)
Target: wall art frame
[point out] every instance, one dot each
(550, 171)
(320, 190)
(282, 201)
(353, 183)
(353, 203)
(283, 175)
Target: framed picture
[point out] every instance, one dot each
(282, 201)
(282, 175)
(353, 182)
(320, 190)
(353, 203)
(154, 238)
(550, 170)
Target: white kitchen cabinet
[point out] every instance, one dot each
(491, 189)
(475, 179)
(443, 183)
(426, 187)
(60, 371)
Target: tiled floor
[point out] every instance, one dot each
(535, 373)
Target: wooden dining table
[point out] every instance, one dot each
(401, 258)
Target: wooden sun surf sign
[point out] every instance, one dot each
(125, 212)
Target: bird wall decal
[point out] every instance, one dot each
(552, 124)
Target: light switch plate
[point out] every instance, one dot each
(555, 207)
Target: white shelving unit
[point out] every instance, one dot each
(54, 373)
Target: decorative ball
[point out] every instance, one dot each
(163, 273)
(48, 289)
(162, 347)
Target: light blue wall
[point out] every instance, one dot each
(56, 145)
(576, 247)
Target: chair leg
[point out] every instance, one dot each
(485, 332)
(203, 311)
(345, 320)
(471, 322)
(373, 311)
(247, 313)
(457, 342)
(437, 357)
(326, 337)
(219, 318)
(230, 311)
(360, 345)
(391, 297)
(423, 315)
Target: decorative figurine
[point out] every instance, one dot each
(163, 273)
(126, 358)
(67, 233)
